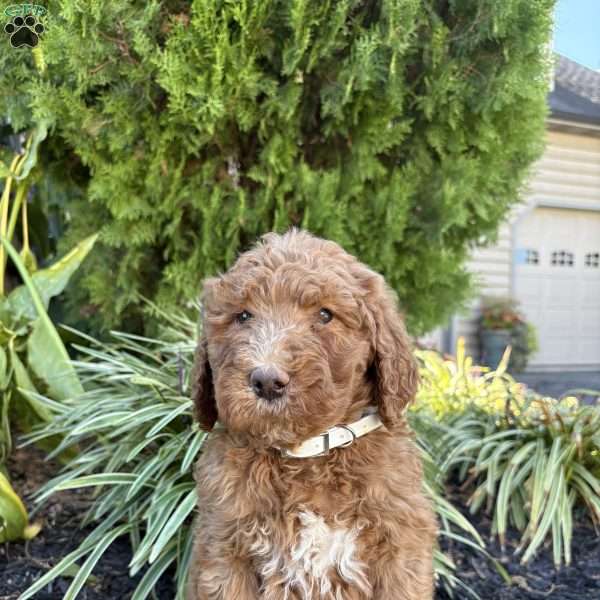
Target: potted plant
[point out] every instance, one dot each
(502, 325)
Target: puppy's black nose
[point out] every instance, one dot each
(268, 382)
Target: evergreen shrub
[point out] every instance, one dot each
(401, 128)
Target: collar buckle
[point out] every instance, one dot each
(326, 444)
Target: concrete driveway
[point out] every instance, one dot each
(558, 384)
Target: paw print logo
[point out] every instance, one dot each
(24, 31)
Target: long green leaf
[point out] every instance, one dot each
(557, 546)
(557, 489)
(100, 479)
(92, 559)
(170, 416)
(63, 566)
(192, 451)
(177, 518)
(590, 479)
(183, 564)
(142, 554)
(152, 575)
(537, 495)
(4, 370)
(566, 523)
(49, 282)
(47, 335)
(505, 488)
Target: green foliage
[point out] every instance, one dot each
(33, 357)
(401, 128)
(32, 350)
(135, 422)
(533, 471)
(524, 343)
(451, 386)
(532, 462)
(450, 519)
(14, 523)
(499, 313)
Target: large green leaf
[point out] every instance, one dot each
(47, 355)
(49, 282)
(27, 388)
(50, 362)
(13, 516)
(39, 135)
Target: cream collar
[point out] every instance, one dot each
(339, 436)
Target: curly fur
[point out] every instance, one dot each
(352, 525)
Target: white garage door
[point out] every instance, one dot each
(557, 281)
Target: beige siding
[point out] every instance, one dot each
(567, 175)
(491, 267)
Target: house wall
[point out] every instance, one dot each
(491, 267)
(566, 176)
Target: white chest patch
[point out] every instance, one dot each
(307, 567)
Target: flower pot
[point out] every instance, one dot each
(493, 345)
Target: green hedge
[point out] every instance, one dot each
(401, 128)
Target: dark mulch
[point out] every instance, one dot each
(535, 581)
(23, 563)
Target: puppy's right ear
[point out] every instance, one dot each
(203, 391)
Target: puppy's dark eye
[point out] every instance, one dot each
(325, 315)
(243, 316)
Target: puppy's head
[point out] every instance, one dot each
(298, 335)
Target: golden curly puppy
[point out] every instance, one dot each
(310, 487)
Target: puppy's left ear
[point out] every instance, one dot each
(203, 391)
(395, 367)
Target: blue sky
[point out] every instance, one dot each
(577, 31)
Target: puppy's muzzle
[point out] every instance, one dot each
(269, 382)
